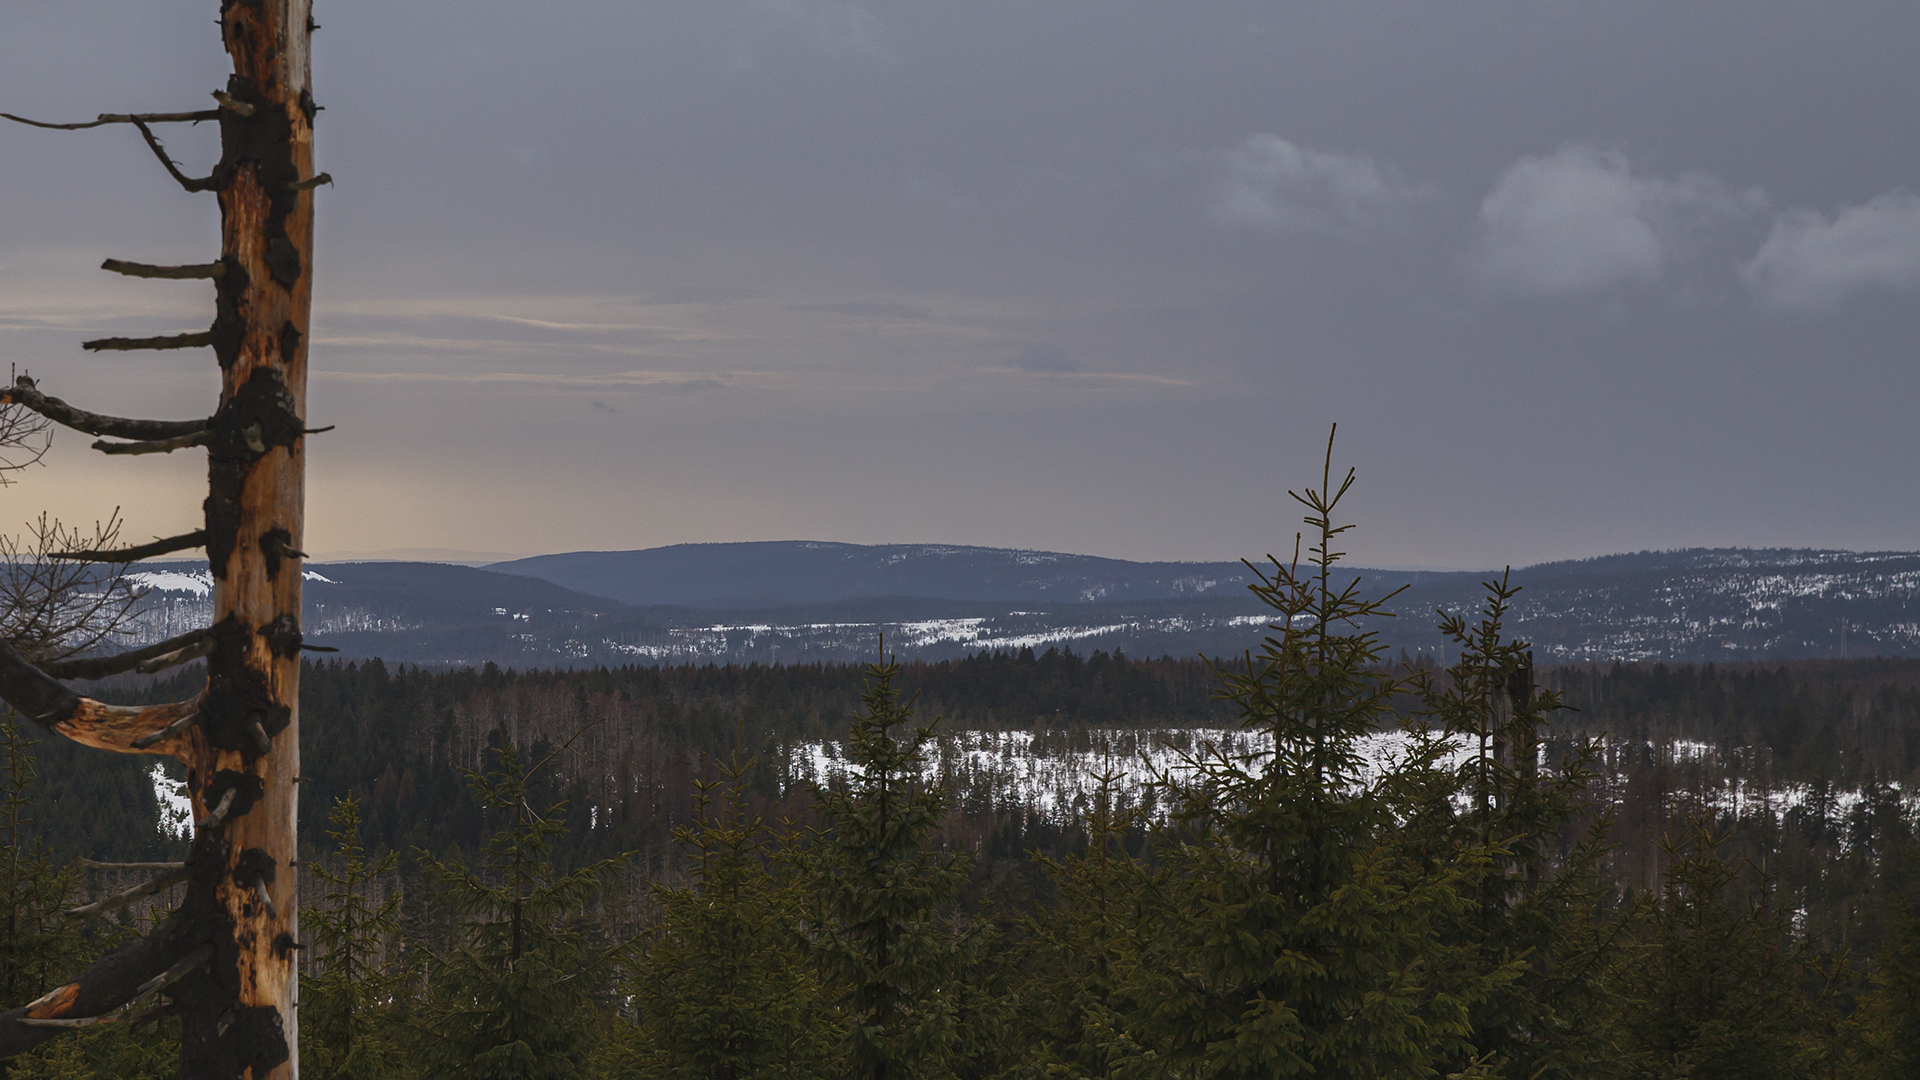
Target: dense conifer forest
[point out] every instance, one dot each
(1559, 872)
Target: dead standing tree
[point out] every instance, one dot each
(225, 959)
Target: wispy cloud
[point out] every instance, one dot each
(1112, 379)
(576, 327)
(867, 310)
(1274, 185)
(1579, 220)
(618, 380)
(1811, 262)
(1050, 359)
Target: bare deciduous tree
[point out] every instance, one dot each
(225, 959)
(59, 612)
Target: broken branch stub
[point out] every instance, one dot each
(212, 271)
(165, 341)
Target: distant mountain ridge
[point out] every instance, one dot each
(782, 573)
(801, 602)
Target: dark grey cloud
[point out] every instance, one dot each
(1573, 279)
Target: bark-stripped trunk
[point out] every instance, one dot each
(228, 956)
(238, 1017)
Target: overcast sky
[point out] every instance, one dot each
(1084, 276)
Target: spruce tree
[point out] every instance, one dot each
(887, 939)
(1078, 954)
(351, 1005)
(512, 998)
(1886, 1029)
(724, 991)
(1711, 989)
(37, 940)
(1296, 930)
(1538, 896)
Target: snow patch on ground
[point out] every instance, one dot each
(199, 582)
(176, 810)
(1056, 773)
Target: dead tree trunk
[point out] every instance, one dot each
(226, 958)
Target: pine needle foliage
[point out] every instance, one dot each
(1296, 934)
(1885, 1032)
(1078, 955)
(37, 940)
(725, 990)
(353, 1004)
(512, 999)
(1538, 898)
(1711, 987)
(886, 935)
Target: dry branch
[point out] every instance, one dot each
(155, 446)
(214, 270)
(183, 542)
(122, 118)
(58, 708)
(104, 987)
(124, 729)
(166, 734)
(145, 889)
(159, 982)
(174, 650)
(205, 183)
(232, 104)
(167, 341)
(56, 610)
(25, 393)
(219, 812)
(25, 437)
(176, 658)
